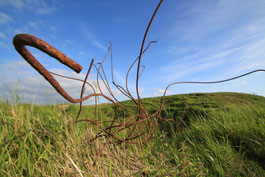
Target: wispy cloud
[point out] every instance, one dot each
(188, 66)
(39, 6)
(45, 9)
(2, 35)
(20, 76)
(3, 45)
(17, 3)
(160, 92)
(99, 45)
(4, 18)
(33, 25)
(90, 36)
(23, 29)
(213, 37)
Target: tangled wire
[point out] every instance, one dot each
(137, 126)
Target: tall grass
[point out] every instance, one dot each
(43, 141)
(215, 139)
(230, 143)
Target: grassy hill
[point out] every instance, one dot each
(221, 134)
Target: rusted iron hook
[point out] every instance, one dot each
(21, 40)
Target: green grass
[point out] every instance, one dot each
(221, 134)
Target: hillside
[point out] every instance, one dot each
(221, 134)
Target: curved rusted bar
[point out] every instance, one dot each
(21, 40)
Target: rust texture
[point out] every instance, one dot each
(136, 125)
(21, 40)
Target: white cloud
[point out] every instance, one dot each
(17, 3)
(3, 45)
(243, 82)
(119, 78)
(39, 6)
(2, 35)
(90, 36)
(34, 25)
(4, 18)
(23, 29)
(200, 18)
(191, 65)
(45, 9)
(99, 45)
(19, 76)
(160, 92)
(53, 28)
(212, 35)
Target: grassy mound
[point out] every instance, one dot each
(221, 134)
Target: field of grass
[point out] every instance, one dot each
(221, 134)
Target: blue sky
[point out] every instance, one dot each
(198, 40)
